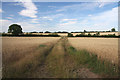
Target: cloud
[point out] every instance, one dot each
(1, 10)
(83, 6)
(47, 18)
(51, 17)
(108, 16)
(52, 6)
(26, 26)
(4, 25)
(30, 9)
(34, 21)
(68, 20)
(104, 0)
(102, 4)
(101, 21)
(67, 23)
(9, 17)
(89, 15)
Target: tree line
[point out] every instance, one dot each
(16, 30)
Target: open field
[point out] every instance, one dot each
(48, 57)
(22, 43)
(105, 48)
(18, 47)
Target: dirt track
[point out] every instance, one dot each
(59, 64)
(48, 60)
(53, 59)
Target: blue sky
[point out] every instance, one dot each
(60, 16)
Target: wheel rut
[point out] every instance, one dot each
(58, 63)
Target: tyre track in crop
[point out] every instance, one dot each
(60, 64)
(50, 61)
(26, 66)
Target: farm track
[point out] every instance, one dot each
(49, 60)
(59, 64)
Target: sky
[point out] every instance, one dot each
(60, 16)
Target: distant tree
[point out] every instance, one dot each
(62, 32)
(47, 32)
(3, 32)
(82, 33)
(113, 29)
(34, 32)
(70, 35)
(107, 31)
(15, 29)
(40, 32)
(85, 31)
(98, 33)
(89, 34)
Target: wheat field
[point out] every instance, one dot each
(44, 57)
(105, 48)
(18, 47)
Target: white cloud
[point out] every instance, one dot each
(47, 18)
(1, 10)
(26, 26)
(68, 19)
(105, 0)
(34, 21)
(101, 21)
(108, 16)
(89, 15)
(102, 4)
(4, 25)
(9, 17)
(51, 17)
(30, 9)
(83, 6)
(68, 23)
(52, 6)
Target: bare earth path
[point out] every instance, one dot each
(60, 64)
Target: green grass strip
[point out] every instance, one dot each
(91, 61)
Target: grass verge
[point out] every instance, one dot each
(93, 63)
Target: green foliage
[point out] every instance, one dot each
(70, 35)
(54, 34)
(85, 31)
(34, 32)
(113, 29)
(98, 34)
(91, 60)
(81, 35)
(32, 35)
(42, 45)
(15, 29)
(89, 34)
(47, 32)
